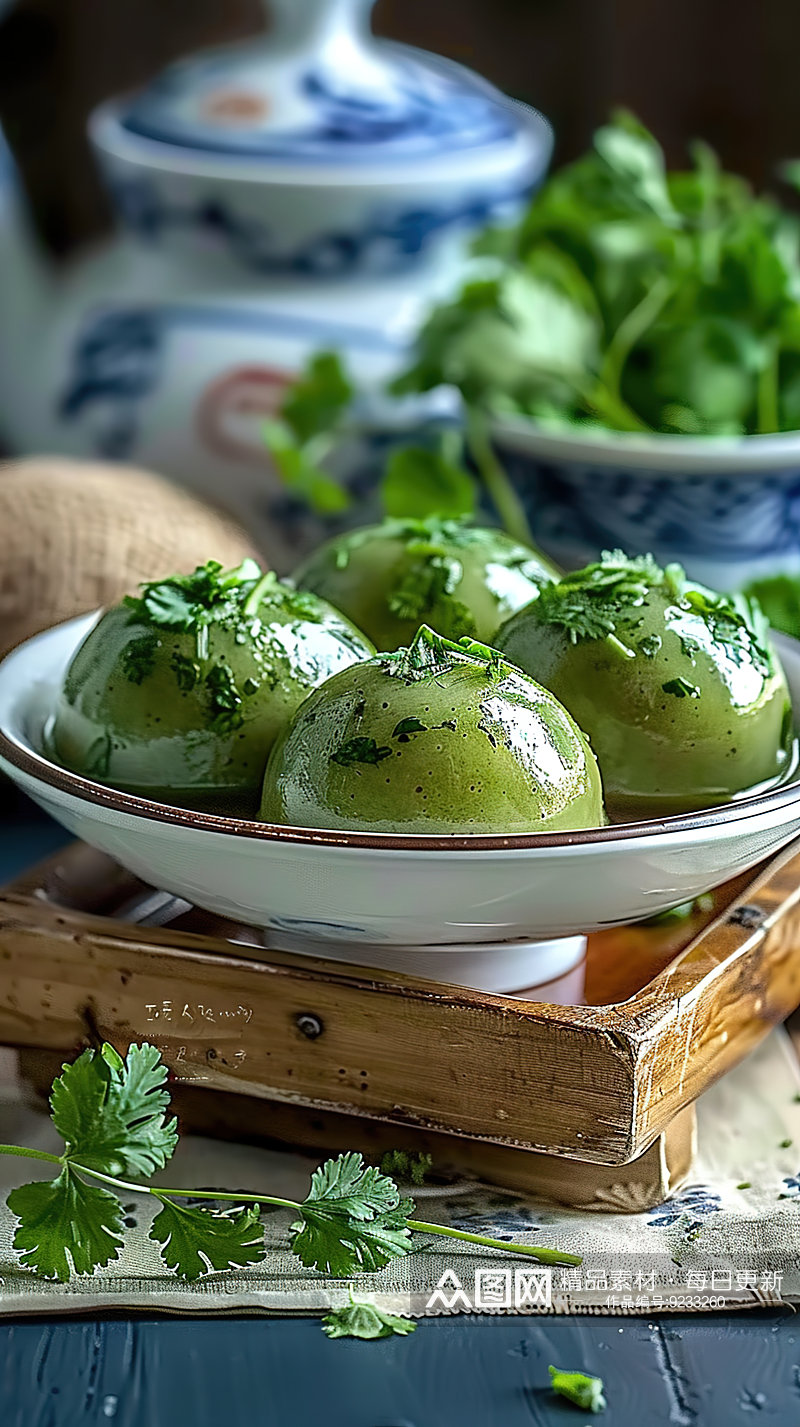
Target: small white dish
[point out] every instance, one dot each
(395, 901)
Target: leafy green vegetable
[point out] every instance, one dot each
(195, 1241)
(111, 1112)
(631, 298)
(353, 1216)
(319, 398)
(407, 1166)
(779, 598)
(112, 1115)
(595, 602)
(586, 1392)
(364, 1320)
(66, 1225)
(300, 468)
(420, 482)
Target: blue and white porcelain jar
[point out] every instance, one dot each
(313, 189)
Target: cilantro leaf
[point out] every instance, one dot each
(139, 1098)
(138, 658)
(353, 1219)
(586, 1392)
(420, 482)
(596, 601)
(779, 598)
(300, 468)
(186, 602)
(630, 297)
(407, 1166)
(364, 1320)
(319, 397)
(80, 1110)
(359, 750)
(197, 1241)
(66, 1225)
(402, 730)
(110, 1111)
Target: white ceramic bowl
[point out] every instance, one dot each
(331, 892)
(727, 508)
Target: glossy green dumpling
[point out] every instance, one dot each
(435, 739)
(679, 689)
(179, 693)
(459, 578)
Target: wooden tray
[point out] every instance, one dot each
(671, 1009)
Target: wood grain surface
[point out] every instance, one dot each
(454, 1372)
(595, 1083)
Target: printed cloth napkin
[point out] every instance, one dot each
(729, 1239)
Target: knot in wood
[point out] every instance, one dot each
(309, 1024)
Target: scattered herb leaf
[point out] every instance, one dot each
(224, 698)
(359, 750)
(407, 726)
(364, 1320)
(138, 658)
(586, 1392)
(681, 688)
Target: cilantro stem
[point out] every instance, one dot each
(767, 394)
(254, 598)
(507, 503)
(30, 1154)
(543, 1255)
(162, 1193)
(631, 328)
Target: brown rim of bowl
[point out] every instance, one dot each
(36, 766)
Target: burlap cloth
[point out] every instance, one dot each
(716, 1244)
(75, 535)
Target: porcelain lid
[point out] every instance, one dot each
(320, 90)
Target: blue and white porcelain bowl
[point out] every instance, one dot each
(727, 509)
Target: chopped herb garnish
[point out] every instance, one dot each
(649, 646)
(138, 658)
(407, 726)
(224, 698)
(429, 655)
(186, 671)
(360, 750)
(745, 1184)
(602, 599)
(586, 1392)
(785, 1145)
(681, 688)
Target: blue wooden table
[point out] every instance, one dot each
(710, 1369)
